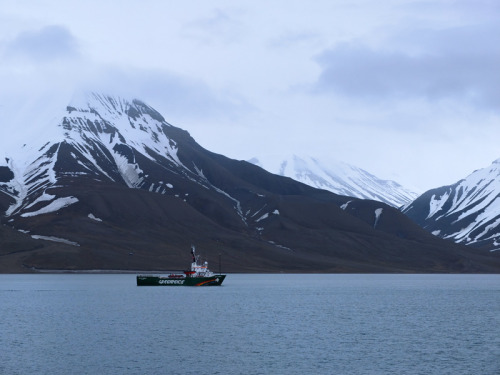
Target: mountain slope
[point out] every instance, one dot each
(112, 185)
(338, 177)
(467, 212)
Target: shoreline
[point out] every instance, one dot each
(33, 271)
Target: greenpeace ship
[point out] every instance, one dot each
(199, 275)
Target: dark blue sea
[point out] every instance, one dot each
(253, 324)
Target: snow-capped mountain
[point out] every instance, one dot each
(107, 183)
(101, 141)
(339, 178)
(467, 212)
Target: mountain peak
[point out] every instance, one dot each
(467, 211)
(98, 136)
(109, 104)
(113, 119)
(336, 176)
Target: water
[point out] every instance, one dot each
(253, 324)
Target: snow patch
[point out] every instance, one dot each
(42, 198)
(53, 206)
(280, 246)
(488, 228)
(55, 239)
(265, 216)
(344, 206)
(131, 173)
(378, 212)
(91, 216)
(436, 204)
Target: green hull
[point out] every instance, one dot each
(214, 280)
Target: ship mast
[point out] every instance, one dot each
(193, 253)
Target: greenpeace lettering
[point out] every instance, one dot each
(173, 282)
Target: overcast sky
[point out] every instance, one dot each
(408, 90)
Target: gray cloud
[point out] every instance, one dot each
(459, 63)
(45, 45)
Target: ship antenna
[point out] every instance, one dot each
(220, 265)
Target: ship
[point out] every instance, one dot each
(198, 275)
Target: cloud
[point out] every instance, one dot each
(45, 45)
(294, 38)
(179, 98)
(219, 26)
(173, 93)
(456, 63)
(47, 62)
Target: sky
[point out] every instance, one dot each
(407, 90)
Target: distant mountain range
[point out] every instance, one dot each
(466, 212)
(337, 177)
(109, 184)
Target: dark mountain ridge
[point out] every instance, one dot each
(118, 188)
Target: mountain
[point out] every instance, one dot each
(467, 212)
(109, 184)
(339, 178)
